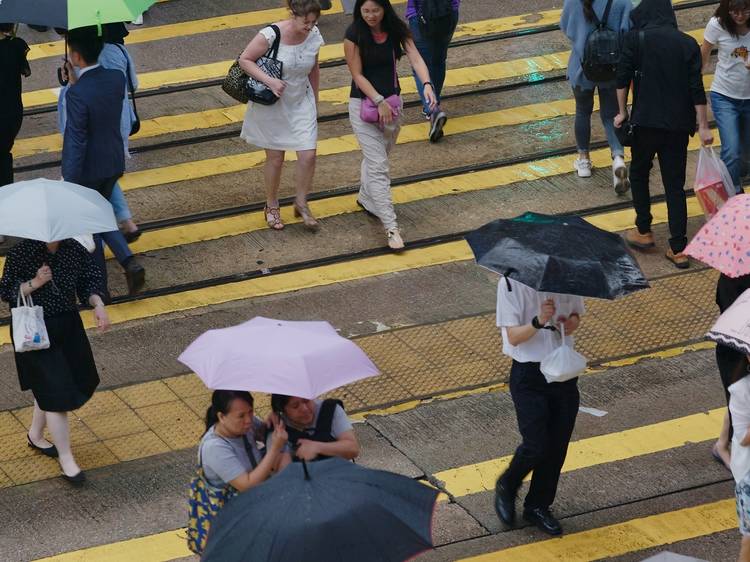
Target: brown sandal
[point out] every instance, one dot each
(273, 217)
(303, 212)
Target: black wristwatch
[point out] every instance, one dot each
(535, 323)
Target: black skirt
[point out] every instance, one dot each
(63, 377)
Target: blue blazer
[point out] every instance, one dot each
(92, 144)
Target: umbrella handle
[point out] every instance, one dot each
(304, 467)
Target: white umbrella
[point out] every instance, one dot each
(49, 210)
(305, 359)
(733, 327)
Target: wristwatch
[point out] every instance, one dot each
(377, 100)
(535, 323)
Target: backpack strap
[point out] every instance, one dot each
(605, 16)
(131, 86)
(325, 416)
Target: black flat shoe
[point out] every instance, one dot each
(131, 237)
(49, 451)
(544, 520)
(79, 478)
(505, 505)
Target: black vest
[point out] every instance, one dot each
(322, 431)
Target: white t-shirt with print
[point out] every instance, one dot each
(519, 306)
(732, 78)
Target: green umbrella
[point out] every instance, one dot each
(71, 14)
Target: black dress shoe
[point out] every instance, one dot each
(542, 518)
(48, 451)
(131, 237)
(505, 504)
(79, 478)
(135, 276)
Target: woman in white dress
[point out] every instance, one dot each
(291, 123)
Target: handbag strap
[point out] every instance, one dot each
(131, 86)
(248, 450)
(273, 52)
(27, 300)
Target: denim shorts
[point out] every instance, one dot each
(742, 492)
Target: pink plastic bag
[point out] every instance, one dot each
(713, 183)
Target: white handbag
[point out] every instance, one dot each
(564, 363)
(29, 329)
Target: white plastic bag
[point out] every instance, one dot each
(29, 329)
(713, 184)
(564, 363)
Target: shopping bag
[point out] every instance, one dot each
(564, 363)
(29, 330)
(713, 184)
(732, 329)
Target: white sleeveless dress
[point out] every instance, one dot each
(292, 122)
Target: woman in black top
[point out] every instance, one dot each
(375, 40)
(13, 65)
(64, 376)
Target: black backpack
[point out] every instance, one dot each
(601, 54)
(435, 17)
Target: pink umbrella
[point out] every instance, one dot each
(305, 359)
(724, 241)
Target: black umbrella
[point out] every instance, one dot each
(558, 254)
(342, 511)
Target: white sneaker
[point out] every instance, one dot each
(395, 242)
(138, 20)
(620, 175)
(583, 166)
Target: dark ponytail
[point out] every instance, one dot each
(588, 10)
(279, 402)
(221, 402)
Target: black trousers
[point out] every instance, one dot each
(671, 149)
(10, 125)
(546, 415)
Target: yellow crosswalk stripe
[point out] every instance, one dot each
(589, 452)
(602, 449)
(334, 51)
(151, 80)
(188, 28)
(623, 538)
(316, 277)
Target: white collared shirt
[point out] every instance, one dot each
(81, 71)
(518, 307)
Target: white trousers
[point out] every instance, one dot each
(375, 180)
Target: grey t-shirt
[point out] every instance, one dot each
(224, 459)
(340, 424)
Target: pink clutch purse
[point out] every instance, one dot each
(368, 112)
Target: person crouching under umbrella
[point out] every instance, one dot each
(546, 412)
(317, 429)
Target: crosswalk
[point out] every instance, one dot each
(670, 434)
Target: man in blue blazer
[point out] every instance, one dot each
(93, 154)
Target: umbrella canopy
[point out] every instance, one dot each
(49, 210)
(724, 242)
(558, 254)
(733, 326)
(305, 359)
(342, 512)
(71, 14)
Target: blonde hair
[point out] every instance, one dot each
(303, 8)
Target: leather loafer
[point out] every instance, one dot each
(135, 276)
(48, 451)
(505, 505)
(639, 241)
(543, 519)
(79, 478)
(679, 259)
